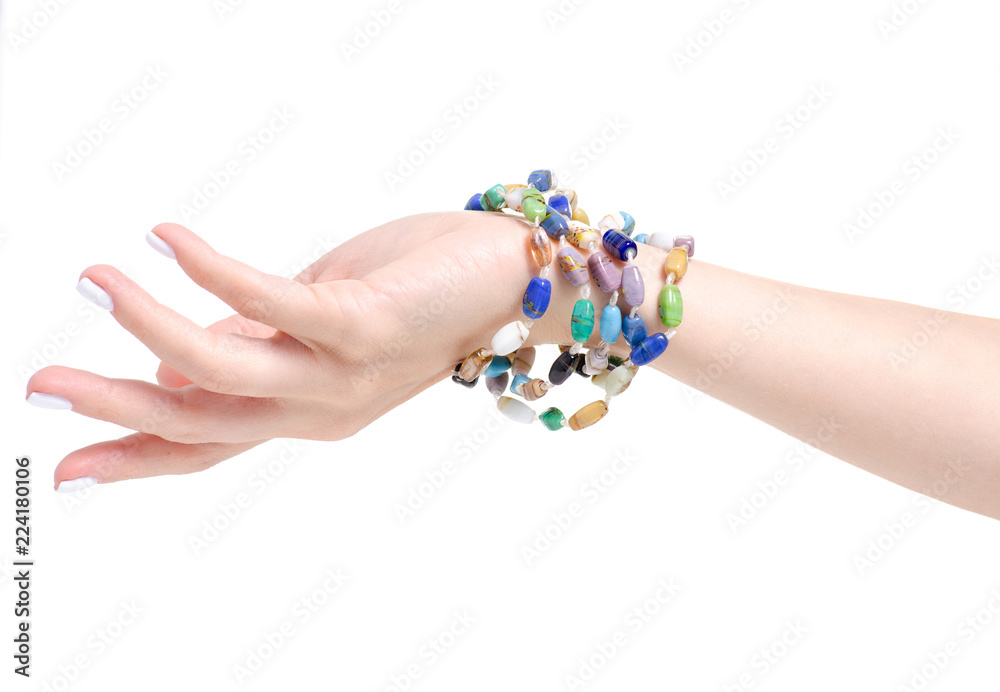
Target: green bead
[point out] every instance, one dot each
(533, 208)
(583, 320)
(615, 360)
(671, 306)
(495, 198)
(552, 418)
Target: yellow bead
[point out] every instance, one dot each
(582, 236)
(588, 415)
(676, 263)
(580, 215)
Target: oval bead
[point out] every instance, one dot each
(474, 203)
(620, 245)
(572, 266)
(670, 305)
(604, 271)
(541, 247)
(554, 223)
(588, 415)
(536, 297)
(495, 198)
(475, 364)
(582, 322)
(541, 179)
(560, 203)
(618, 380)
(498, 365)
(676, 262)
(552, 418)
(496, 384)
(532, 205)
(581, 216)
(611, 323)
(634, 329)
(509, 338)
(582, 235)
(534, 389)
(649, 349)
(595, 362)
(633, 288)
(515, 384)
(685, 241)
(562, 367)
(523, 360)
(516, 410)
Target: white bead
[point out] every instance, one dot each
(514, 198)
(614, 221)
(516, 410)
(661, 240)
(619, 379)
(578, 225)
(509, 338)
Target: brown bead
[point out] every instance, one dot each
(541, 247)
(588, 415)
(534, 389)
(474, 366)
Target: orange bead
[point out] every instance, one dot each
(588, 415)
(676, 263)
(541, 246)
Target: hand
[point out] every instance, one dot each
(366, 327)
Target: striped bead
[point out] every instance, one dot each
(541, 179)
(536, 297)
(572, 266)
(582, 321)
(620, 245)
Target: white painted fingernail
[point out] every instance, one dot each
(43, 400)
(160, 245)
(95, 294)
(76, 484)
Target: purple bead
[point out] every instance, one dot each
(632, 286)
(572, 266)
(604, 272)
(685, 241)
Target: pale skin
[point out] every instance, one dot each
(390, 312)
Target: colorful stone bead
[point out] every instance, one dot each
(685, 241)
(582, 322)
(536, 297)
(554, 223)
(633, 288)
(671, 306)
(552, 418)
(509, 338)
(588, 415)
(516, 410)
(494, 199)
(581, 216)
(620, 245)
(523, 360)
(634, 329)
(611, 323)
(532, 205)
(604, 271)
(497, 365)
(475, 364)
(595, 361)
(562, 367)
(582, 235)
(534, 389)
(676, 263)
(641, 237)
(572, 266)
(541, 247)
(474, 203)
(561, 204)
(541, 179)
(496, 384)
(517, 382)
(618, 380)
(649, 349)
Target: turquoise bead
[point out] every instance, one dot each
(495, 198)
(582, 323)
(611, 323)
(518, 380)
(498, 365)
(641, 237)
(629, 225)
(634, 329)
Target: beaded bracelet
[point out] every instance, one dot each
(558, 217)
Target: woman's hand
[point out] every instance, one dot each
(363, 329)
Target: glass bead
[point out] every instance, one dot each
(560, 203)
(634, 329)
(604, 271)
(532, 205)
(649, 349)
(474, 203)
(582, 235)
(464, 383)
(562, 367)
(611, 221)
(641, 238)
(523, 360)
(475, 364)
(633, 288)
(496, 384)
(552, 418)
(676, 262)
(554, 223)
(534, 389)
(619, 245)
(536, 298)
(595, 361)
(571, 196)
(661, 240)
(618, 380)
(600, 378)
(685, 241)
(611, 323)
(628, 223)
(615, 361)
(582, 322)
(572, 266)
(541, 247)
(509, 338)
(588, 415)
(581, 216)
(514, 198)
(515, 384)
(541, 179)
(671, 306)
(497, 365)
(494, 199)
(516, 410)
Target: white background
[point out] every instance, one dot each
(557, 84)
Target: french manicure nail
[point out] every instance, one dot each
(76, 484)
(53, 401)
(160, 245)
(95, 294)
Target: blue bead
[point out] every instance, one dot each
(641, 237)
(620, 245)
(541, 179)
(554, 223)
(611, 323)
(474, 203)
(634, 329)
(561, 204)
(536, 297)
(649, 349)
(518, 380)
(629, 223)
(498, 365)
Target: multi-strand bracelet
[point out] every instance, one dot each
(553, 215)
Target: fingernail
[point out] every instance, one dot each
(42, 400)
(95, 294)
(76, 484)
(160, 245)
